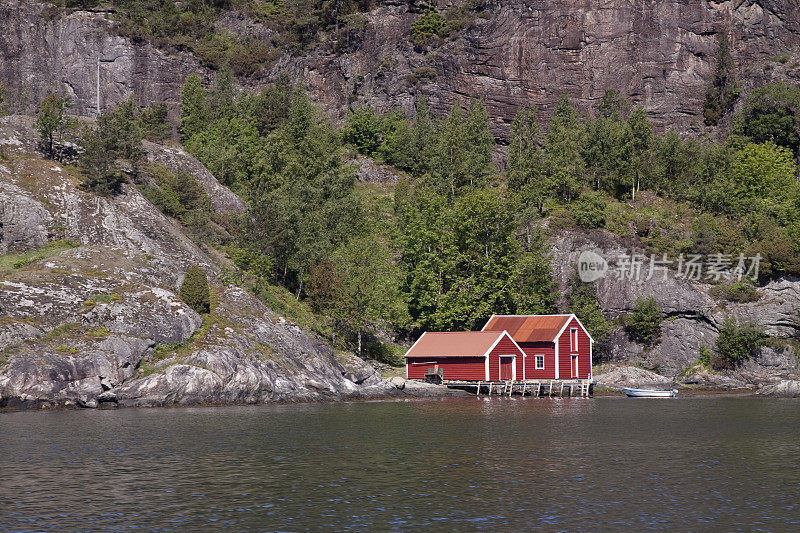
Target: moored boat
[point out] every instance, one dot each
(647, 393)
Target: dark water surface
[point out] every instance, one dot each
(510, 464)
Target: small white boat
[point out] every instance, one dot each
(646, 393)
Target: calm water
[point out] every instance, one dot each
(511, 464)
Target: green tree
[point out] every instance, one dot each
(564, 163)
(154, 122)
(462, 159)
(736, 343)
(121, 129)
(723, 89)
(641, 150)
(52, 122)
(583, 303)
(765, 181)
(221, 99)
(644, 322)
(770, 114)
(194, 290)
(194, 107)
(427, 26)
(364, 130)
(368, 283)
(589, 210)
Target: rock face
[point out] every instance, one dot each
(692, 316)
(45, 49)
(515, 53)
(96, 320)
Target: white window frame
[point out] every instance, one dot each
(573, 340)
(536, 359)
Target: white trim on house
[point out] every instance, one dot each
(415, 343)
(591, 372)
(573, 336)
(555, 342)
(486, 362)
(496, 342)
(567, 324)
(536, 361)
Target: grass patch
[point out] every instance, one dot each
(102, 299)
(16, 261)
(67, 349)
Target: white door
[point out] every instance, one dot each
(574, 366)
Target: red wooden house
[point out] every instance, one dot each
(554, 346)
(465, 355)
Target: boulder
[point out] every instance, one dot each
(619, 377)
(784, 389)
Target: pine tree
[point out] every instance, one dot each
(723, 89)
(194, 290)
(194, 108)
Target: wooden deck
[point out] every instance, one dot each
(529, 387)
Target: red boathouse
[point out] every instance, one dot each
(554, 346)
(466, 356)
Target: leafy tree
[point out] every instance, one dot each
(589, 210)
(117, 136)
(644, 322)
(641, 150)
(564, 163)
(363, 130)
(122, 131)
(770, 114)
(462, 160)
(194, 290)
(723, 89)
(736, 343)
(194, 107)
(525, 160)
(303, 168)
(221, 98)
(765, 181)
(367, 281)
(52, 122)
(583, 302)
(154, 122)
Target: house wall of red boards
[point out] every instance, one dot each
(466, 368)
(565, 353)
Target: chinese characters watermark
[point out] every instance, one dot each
(637, 268)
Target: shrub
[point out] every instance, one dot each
(589, 210)
(705, 356)
(194, 290)
(154, 122)
(644, 322)
(427, 26)
(739, 292)
(736, 343)
(363, 130)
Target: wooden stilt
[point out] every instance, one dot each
(490, 388)
(478, 389)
